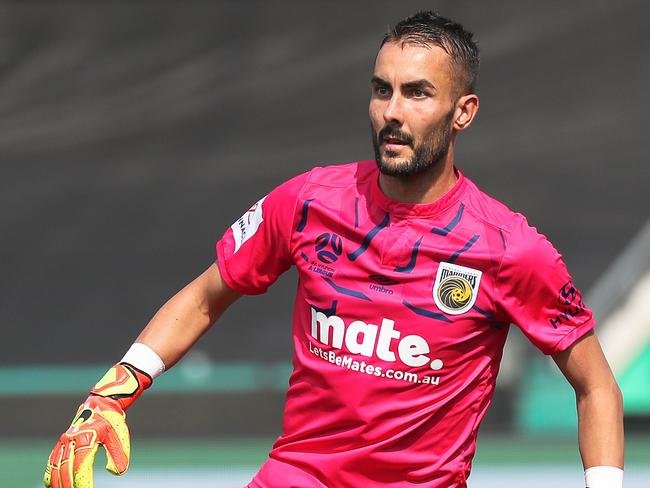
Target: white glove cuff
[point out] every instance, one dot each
(604, 477)
(145, 359)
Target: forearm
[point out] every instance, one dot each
(100, 419)
(600, 426)
(186, 316)
(175, 327)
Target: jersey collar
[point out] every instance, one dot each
(403, 209)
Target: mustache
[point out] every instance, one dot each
(395, 133)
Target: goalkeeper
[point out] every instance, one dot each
(409, 276)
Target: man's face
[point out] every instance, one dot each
(411, 108)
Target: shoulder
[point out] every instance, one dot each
(320, 181)
(332, 175)
(529, 248)
(342, 175)
(523, 243)
(490, 210)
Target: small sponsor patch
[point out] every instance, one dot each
(456, 288)
(571, 306)
(246, 226)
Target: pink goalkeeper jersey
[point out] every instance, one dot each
(399, 323)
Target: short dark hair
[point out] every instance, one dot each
(429, 28)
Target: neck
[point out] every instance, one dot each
(424, 187)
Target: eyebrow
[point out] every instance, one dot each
(419, 84)
(376, 80)
(412, 85)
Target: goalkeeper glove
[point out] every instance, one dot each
(100, 420)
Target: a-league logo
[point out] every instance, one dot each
(328, 247)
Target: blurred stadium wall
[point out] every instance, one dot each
(132, 134)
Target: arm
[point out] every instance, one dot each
(253, 252)
(599, 402)
(100, 419)
(187, 316)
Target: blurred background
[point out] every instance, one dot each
(133, 133)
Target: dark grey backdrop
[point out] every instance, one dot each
(132, 135)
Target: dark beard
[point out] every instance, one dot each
(429, 153)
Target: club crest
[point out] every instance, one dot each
(456, 288)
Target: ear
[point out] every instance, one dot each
(466, 108)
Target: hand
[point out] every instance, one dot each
(99, 421)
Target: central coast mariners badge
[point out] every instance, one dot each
(456, 288)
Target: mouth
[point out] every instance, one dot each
(392, 143)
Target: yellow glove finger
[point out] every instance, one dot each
(56, 479)
(54, 456)
(116, 443)
(65, 466)
(51, 461)
(47, 476)
(83, 466)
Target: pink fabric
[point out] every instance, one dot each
(282, 475)
(399, 322)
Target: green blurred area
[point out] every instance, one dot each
(22, 462)
(546, 401)
(635, 384)
(545, 416)
(189, 376)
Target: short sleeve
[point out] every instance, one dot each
(536, 292)
(256, 249)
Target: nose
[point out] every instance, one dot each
(393, 112)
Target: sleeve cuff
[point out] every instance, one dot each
(227, 277)
(573, 336)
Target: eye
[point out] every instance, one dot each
(417, 93)
(382, 91)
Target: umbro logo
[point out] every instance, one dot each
(383, 280)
